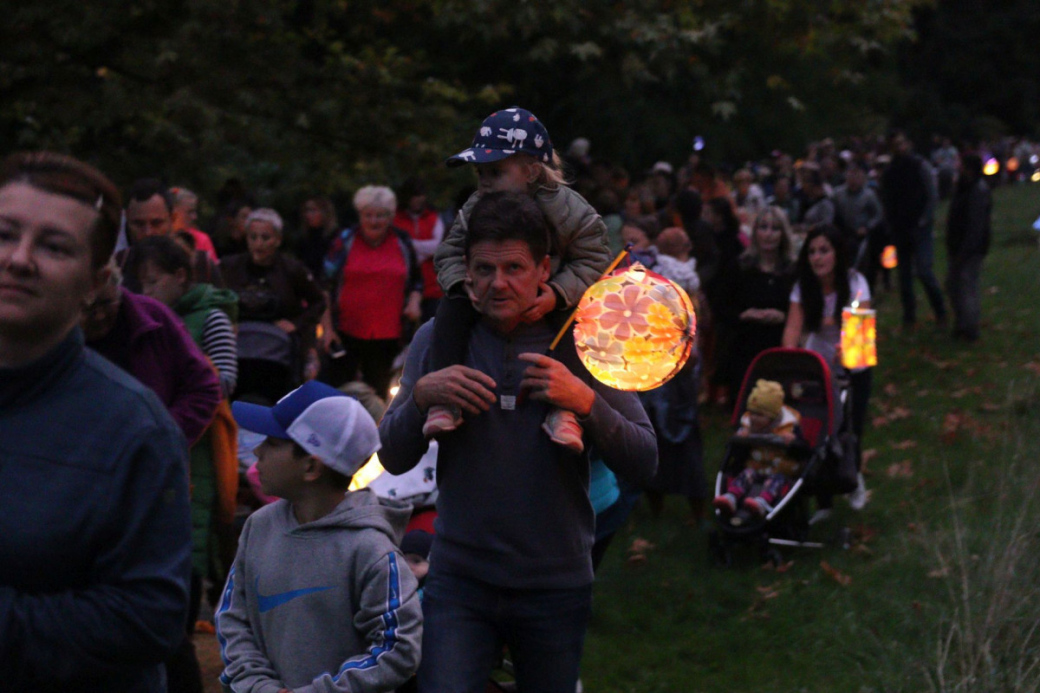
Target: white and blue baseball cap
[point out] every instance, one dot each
(325, 422)
(504, 133)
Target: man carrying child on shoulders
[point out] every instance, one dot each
(510, 563)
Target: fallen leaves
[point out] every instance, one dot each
(891, 390)
(939, 572)
(638, 550)
(839, 577)
(764, 593)
(956, 421)
(896, 414)
(900, 470)
(782, 568)
(1033, 367)
(951, 426)
(904, 445)
(957, 394)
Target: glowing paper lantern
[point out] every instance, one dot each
(1011, 165)
(991, 167)
(634, 329)
(858, 338)
(889, 257)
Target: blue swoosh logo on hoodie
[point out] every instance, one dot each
(266, 602)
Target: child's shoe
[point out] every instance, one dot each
(758, 506)
(727, 502)
(563, 429)
(859, 497)
(441, 419)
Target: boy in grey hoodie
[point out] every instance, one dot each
(319, 598)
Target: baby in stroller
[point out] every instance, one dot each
(770, 469)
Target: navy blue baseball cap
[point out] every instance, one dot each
(505, 133)
(325, 422)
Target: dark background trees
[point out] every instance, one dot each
(298, 96)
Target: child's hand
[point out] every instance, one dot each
(544, 303)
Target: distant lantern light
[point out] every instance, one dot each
(889, 257)
(992, 167)
(1011, 165)
(634, 329)
(1035, 177)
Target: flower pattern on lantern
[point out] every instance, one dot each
(634, 329)
(625, 312)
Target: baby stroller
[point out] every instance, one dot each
(827, 460)
(268, 361)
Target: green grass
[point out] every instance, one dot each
(677, 623)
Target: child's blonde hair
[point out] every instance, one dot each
(550, 173)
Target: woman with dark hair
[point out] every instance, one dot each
(760, 291)
(824, 286)
(95, 536)
(231, 226)
(725, 226)
(318, 226)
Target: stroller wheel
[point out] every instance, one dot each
(773, 557)
(721, 555)
(843, 538)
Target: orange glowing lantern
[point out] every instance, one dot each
(889, 257)
(634, 329)
(1011, 165)
(858, 337)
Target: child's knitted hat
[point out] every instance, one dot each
(767, 398)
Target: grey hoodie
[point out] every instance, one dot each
(326, 606)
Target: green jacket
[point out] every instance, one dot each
(194, 307)
(197, 303)
(579, 253)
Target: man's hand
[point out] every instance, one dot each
(466, 388)
(544, 303)
(548, 380)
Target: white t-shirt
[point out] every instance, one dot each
(824, 341)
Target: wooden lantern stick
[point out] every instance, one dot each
(570, 319)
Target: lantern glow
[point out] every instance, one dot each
(634, 329)
(889, 257)
(991, 167)
(858, 338)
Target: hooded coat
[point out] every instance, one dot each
(326, 606)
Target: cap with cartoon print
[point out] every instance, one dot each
(505, 133)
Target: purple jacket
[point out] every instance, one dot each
(150, 343)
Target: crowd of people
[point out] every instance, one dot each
(155, 340)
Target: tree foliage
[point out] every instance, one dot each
(323, 95)
(975, 72)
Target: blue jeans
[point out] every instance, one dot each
(467, 622)
(915, 257)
